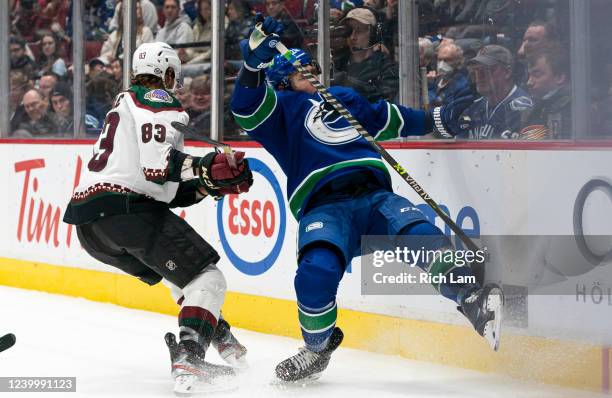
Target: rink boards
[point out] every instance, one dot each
(560, 339)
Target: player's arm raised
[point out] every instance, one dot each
(254, 103)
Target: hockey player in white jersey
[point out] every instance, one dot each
(137, 172)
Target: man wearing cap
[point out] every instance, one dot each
(497, 114)
(61, 103)
(367, 69)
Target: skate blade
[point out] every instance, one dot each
(305, 382)
(188, 385)
(492, 330)
(239, 363)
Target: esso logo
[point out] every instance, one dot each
(252, 225)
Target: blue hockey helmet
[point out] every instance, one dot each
(280, 68)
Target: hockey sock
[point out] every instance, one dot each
(317, 325)
(447, 269)
(316, 283)
(197, 324)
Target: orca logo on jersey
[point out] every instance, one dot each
(521, 104)
(327, 126)
(158, 95)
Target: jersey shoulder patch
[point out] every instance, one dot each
(155, 100)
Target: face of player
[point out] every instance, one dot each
(299, 83)
(542, 80)
(61, 106)
(274, 7)
(360, 36)
(171, 10)
(35, 105)
(534, 37)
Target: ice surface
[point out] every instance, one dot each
(119, 352)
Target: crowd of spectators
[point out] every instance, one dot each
(509, 54)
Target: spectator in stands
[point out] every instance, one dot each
(238, 27)
(115, 71)
(61, 103)
(202, 32)
(427, 53)
(19, 84)
(113, 46)
(97, 19)
(101, 91)
(149, 16)
(451, 78)
(497, 114)
(292, 35)
(199, 111)
(52, 12)
(50, 57)
(367, 69)
(19, 59)
(61, 98)
(96, 66)
(183, 94)
(177, 29)
(37, 121)
(47, 82)
(538, 35)
(549, 86)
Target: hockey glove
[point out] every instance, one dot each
(449, 121)
(219, 179)
(259, 57)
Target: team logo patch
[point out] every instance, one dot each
(521, 104)
(314, 225)
(327, 125)
(171, 265)
(158, 95)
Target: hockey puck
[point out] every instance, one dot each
(7, 341)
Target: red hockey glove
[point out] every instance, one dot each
(219, 178)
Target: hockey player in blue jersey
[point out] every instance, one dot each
(339, 189)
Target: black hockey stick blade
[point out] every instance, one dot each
(7, 341)
(191, 134)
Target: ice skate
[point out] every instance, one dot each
(228, 347)
(192, 374)
(483, 308)
(308, 365)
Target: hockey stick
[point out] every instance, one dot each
(7, 341)
(255, 40)
(191, 133)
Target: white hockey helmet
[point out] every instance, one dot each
(157, 59)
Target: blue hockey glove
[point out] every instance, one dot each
(449, 121)
(259, 57)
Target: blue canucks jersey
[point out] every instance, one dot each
(502, 121)
(312, 142)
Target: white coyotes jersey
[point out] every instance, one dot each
(132, 154)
